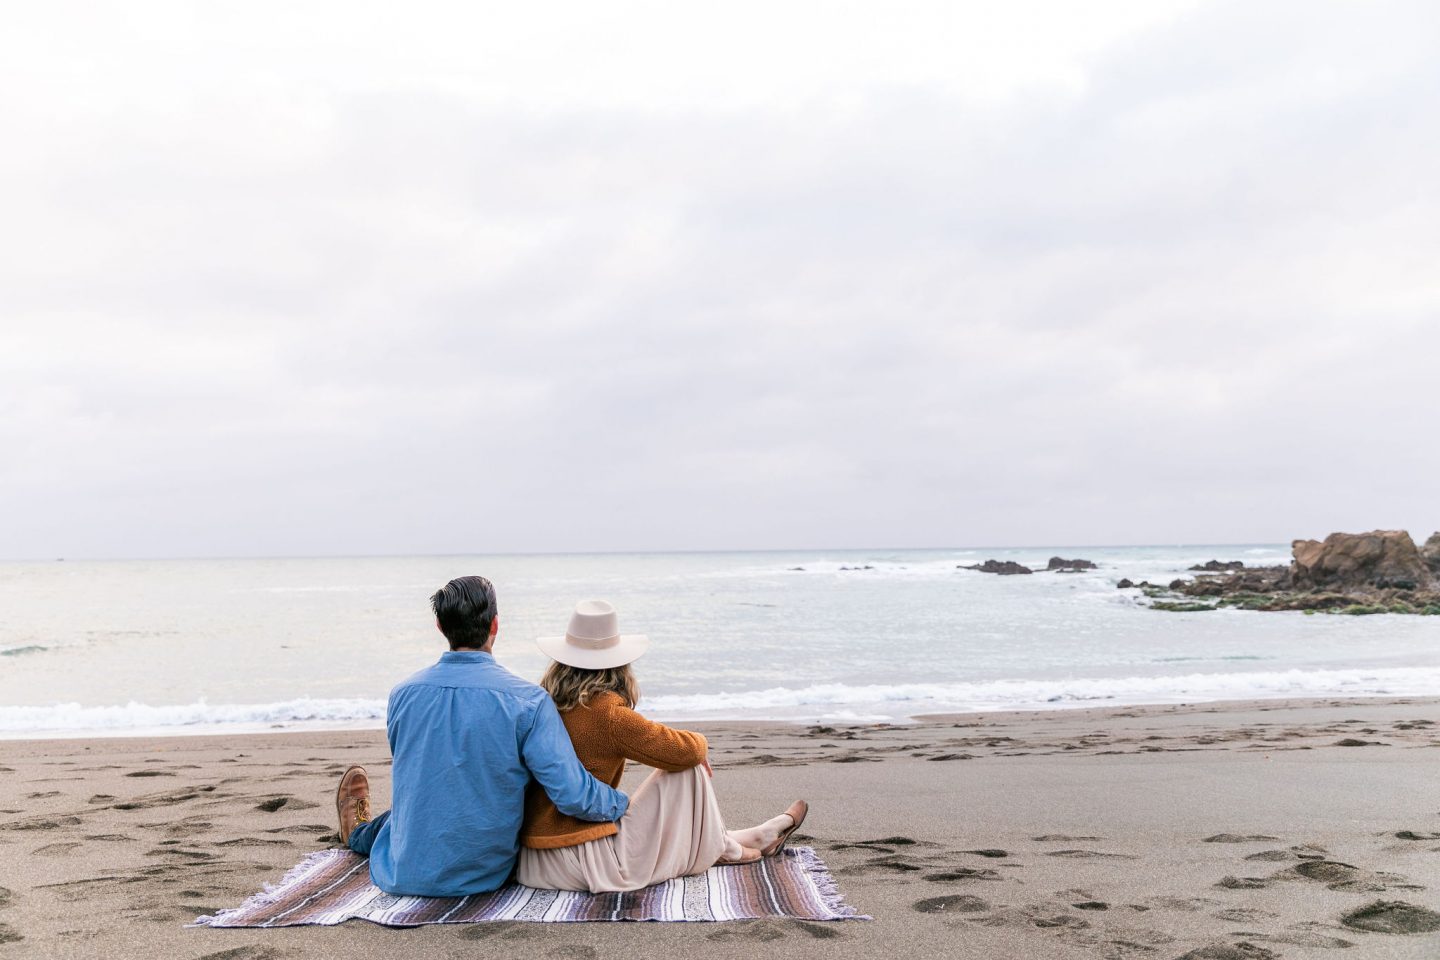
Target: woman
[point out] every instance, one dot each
(673, 826)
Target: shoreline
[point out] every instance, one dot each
(1102, 833)
(187, 732)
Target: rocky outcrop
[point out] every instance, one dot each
(1377, 572)
(1348, 562)
(1254, 580)
(1430, 553)
(1219, 566)
(1003, 567)
(1060, 563)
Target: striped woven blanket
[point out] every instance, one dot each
(333, 886)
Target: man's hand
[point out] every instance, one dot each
(708, 769)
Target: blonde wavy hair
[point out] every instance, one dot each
(572, 687)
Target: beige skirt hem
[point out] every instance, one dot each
(672, 829)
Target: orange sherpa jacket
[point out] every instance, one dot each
(606, 734)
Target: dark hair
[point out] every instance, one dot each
(465, 609)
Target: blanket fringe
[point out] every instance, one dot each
(825, 883)
(273, 892)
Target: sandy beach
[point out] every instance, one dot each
(1239, 830)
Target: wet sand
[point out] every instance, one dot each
(1235, 831)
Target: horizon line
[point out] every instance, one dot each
(622, 553)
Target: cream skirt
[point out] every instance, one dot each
(671, 829)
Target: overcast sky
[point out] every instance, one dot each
(303, 278)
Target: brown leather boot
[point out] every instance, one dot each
(352, 801)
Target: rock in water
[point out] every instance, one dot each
(1060, 563)
(1219, 566)
(1002, 567)
(1359, 561)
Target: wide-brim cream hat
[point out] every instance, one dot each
(593, 640)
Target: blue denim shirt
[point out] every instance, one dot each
(467, 736)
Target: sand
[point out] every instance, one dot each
(1220, 831)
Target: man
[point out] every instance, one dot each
(467, 737)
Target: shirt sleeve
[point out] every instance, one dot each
(551, 759)
(655, 744)
(392, 714)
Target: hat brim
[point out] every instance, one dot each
(631, 647)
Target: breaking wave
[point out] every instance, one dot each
(838, 701)
(201, 717)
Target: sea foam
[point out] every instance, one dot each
(200, 717)
(821, 702)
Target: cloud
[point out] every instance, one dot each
(320, 284)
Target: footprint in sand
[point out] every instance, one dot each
(1090, 855)
(962, 873)
(955, 903)
(285, 802)
(1301, 938)
(894, 864)
(1416, 835)
(1239, 838)
(1274, 856)
(1064, 838)
(820, 931)
(1243, 915)
(184, 827)
(575, 951)
(253, 952)
(40, 823)
(56, 849)
(1326, 871)
(152, 800)
(150, 773)
(1344, 876)
(503, 929)
(1240, 950)
(299, 828)
(1392, 916)
(1042, 917)
(1243, 883)
(9, 934)
(758, 931)
(193, 855)
(1188, 904)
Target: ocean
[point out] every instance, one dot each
(203, 646)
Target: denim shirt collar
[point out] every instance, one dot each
(466, 656)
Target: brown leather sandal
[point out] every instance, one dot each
(796, 812)
(747, 855)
